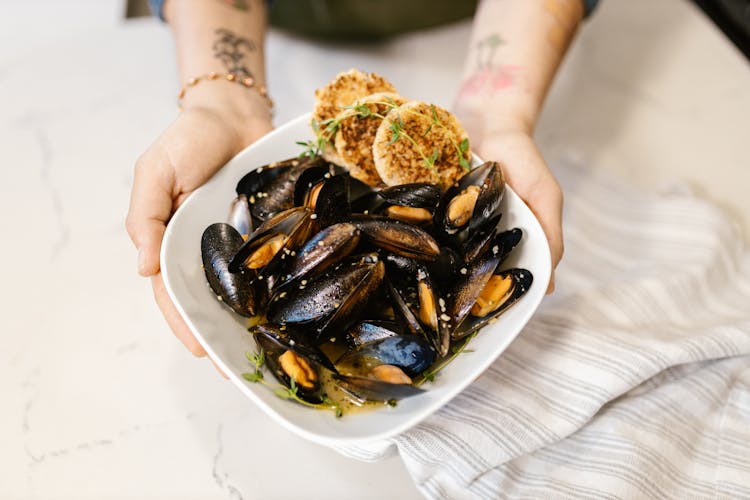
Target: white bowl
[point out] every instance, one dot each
(224, 335)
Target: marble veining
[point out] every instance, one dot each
(97, 392)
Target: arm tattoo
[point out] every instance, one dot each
(489, 76)
(486, 49)
(237, 4)
(231, 50)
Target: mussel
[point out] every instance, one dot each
(470, 205)
(272, 243)
(219, 244)
(289, 355)
(332, 301)
(501, 291)
(398, 237)
(270, 189)
(412, 203)
(323, 250)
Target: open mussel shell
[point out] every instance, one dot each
(402, 311)
(219, 244)
(431, 311)
(363, 389)
(327, 248)
(310, 180)
(468, 286)
(472, 203)
(290, 355)
(412, 203)
(332, 300)
(503, 290)
(398, 237)
(275, 240)
(410, 353)
(270, 189)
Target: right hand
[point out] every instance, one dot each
(192, 149)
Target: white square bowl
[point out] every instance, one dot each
(224, 335)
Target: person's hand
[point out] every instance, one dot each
(194, 147)
(527, 173)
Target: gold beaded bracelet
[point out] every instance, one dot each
(247, 82)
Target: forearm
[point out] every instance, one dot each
(515, 50)
(222, 37)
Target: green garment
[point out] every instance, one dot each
(365, 18)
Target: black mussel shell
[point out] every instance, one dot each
(521, 282)
(357, 300)
(444, 269)
(332, 204)
(431, 308)
(417, 195)
(507, 241)
(411, 353)
(271, 190)
(260, 178)
(398, 237)
(297, 340)
(470, 282)
(371, 330)
(402, 311)
(276, 343)
(219, 243)
(311, 177)
(294, 223)
(480, 241)
(488, 177)
(363, 389)
(323, 250)
(340, 294)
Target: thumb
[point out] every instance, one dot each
(150, 209)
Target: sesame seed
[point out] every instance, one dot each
(332, 339)
(445, 317)
(495, 249)
(303, 282)
(314, 216)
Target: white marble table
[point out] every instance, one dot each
(98, 399)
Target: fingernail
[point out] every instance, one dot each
(141, 262)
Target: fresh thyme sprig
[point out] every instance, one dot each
(326, 130)
(256, 376)
(429, 375)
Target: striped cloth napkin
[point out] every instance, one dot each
(631, 381)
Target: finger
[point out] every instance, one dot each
(150, 209)
(174, 320)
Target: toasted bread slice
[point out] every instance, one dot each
(344, 89)
(356, 135)
(434, 156)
